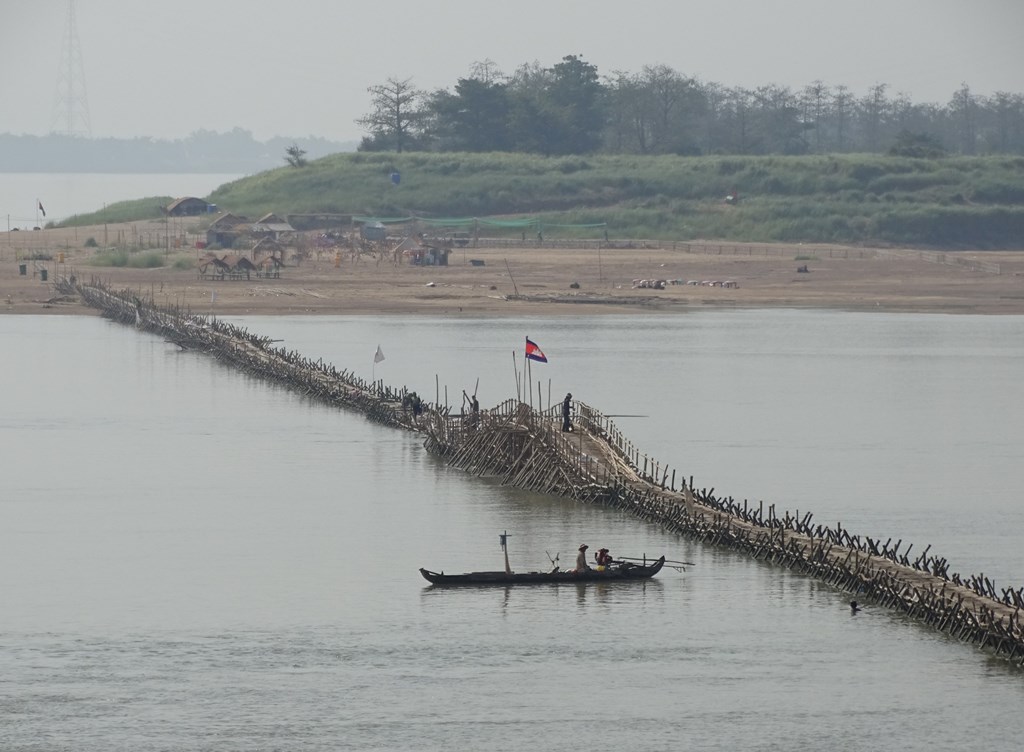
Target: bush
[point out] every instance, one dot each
(110, 258)
(122, 258)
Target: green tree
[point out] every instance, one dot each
(557, 110)
(474, 118)
(576, 96)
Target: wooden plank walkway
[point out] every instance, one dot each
(596, 463)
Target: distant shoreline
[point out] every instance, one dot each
(236, 151)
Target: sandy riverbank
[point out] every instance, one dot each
(531, 281)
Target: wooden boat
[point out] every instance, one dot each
(619, 572)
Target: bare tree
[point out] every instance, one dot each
(1007, 133)
(487, 71)
(842, 101)
(675, 103)
(963, 108)
(627, 120)
(295, 156)
(814, 100)
(874, 108)
(396, 116)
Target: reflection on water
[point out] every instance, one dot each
(183, 548)
(593, 595)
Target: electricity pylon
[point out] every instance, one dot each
(70, 105)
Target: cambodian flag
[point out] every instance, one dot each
(533, 352)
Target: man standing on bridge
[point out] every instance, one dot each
(566, 412)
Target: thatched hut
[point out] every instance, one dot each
(187, 206)
(270, 266)
(226, 229)
(238, 266)
(211, 267)
(271, 226)
(267, 247)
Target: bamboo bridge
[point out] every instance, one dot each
(596, 464)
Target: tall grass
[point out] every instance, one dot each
(950, 202)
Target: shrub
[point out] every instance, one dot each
(117, 258)
(122, 258)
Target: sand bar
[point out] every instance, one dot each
(537, 281)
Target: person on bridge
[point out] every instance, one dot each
(581, 559)
(474, 409)
(567, 412)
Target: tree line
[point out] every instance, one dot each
(569, 108)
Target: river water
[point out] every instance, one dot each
(193, 559)
(63, 195)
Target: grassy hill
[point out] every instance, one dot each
(955, 202)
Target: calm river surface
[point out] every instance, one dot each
(192, 559)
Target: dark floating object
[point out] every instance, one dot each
(620, 572)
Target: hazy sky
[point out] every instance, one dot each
(166, 69)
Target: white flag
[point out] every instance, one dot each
(379, 355)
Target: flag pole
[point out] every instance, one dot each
(526, 365)
(515, 372)
(378, 356)
(528, 377)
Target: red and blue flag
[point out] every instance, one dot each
(533, 352)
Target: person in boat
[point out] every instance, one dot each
(581, 559)
(566, 412)
(603, 558)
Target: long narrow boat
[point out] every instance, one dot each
(619, 572)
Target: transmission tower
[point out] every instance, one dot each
(70, 106)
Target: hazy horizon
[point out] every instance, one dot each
(166, 71)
